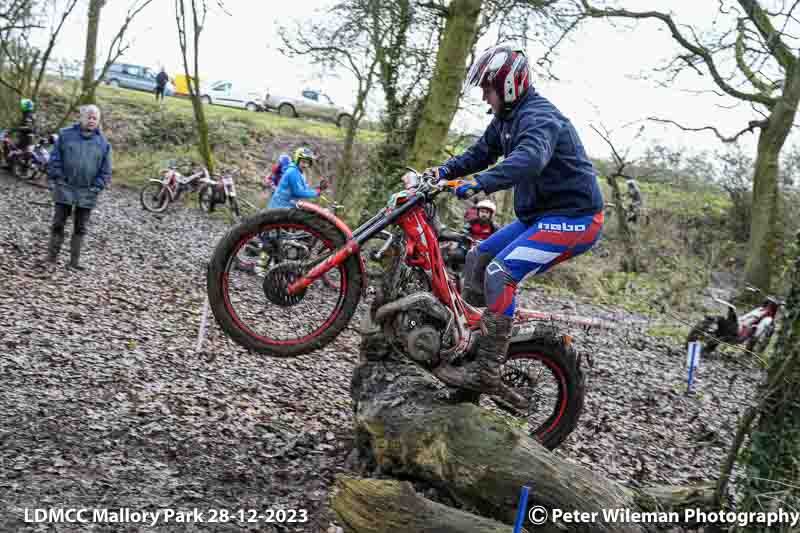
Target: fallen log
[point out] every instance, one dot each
(378, 506)
(406, 427)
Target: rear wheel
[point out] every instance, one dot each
(286, 110)
(544, 370)
(22, 169)
(154, 197)
(257, 312)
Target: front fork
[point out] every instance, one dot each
(350, 247)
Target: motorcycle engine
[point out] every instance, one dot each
(418, 329)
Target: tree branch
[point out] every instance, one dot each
(695, 49)
(751, 126)
(768, 32)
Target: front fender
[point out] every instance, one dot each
(342, 227)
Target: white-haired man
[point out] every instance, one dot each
(79, 169)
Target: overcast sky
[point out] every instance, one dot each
(597, 70)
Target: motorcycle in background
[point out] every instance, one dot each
(158, 193)
(753, 329)
(29, 162)
(219, 191)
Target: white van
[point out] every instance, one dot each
(228, 93)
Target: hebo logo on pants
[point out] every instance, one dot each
(561, 227)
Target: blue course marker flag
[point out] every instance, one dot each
(523, 506)
(692, 361)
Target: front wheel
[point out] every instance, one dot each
(204, 198)
(257, 312)
(235, 207)
(757, 344)
(154, 197)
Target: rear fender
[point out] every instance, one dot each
(342, 227)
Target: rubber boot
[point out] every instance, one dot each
(75, 252)
(54, 247)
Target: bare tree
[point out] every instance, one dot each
(90, 55)
(340, 42)
(189, 40)
(630, 260)
(753, 60)
(117, 48)
(24, 64)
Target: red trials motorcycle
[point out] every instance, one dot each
(417, 304)
(753, 329)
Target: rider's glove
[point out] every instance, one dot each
(468, 189)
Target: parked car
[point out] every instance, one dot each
(135, 77)
(311, 103)
(228, 93)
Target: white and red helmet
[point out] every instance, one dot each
(503, 67)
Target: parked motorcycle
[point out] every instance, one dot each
(20, 161)
(158, 193)
(41, 155)
(219, 191)
(753, 329)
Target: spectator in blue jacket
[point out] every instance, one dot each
(293, 185)
(79, 169)
(557, 201)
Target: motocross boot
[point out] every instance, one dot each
(474, 273)
(483, 374)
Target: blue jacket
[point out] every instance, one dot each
(293, 187)
(79, 167)
(544, 161)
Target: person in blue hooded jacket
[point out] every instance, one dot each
(293, 185)
(557, 201)
(78, 171)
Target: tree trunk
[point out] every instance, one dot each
(763, 242)
(203, 145)
(771, 459)
(445, 89)
(90, 57)
(372, 506)
(405, 429)
(201, 124)
(346, 193)
(630, 260)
